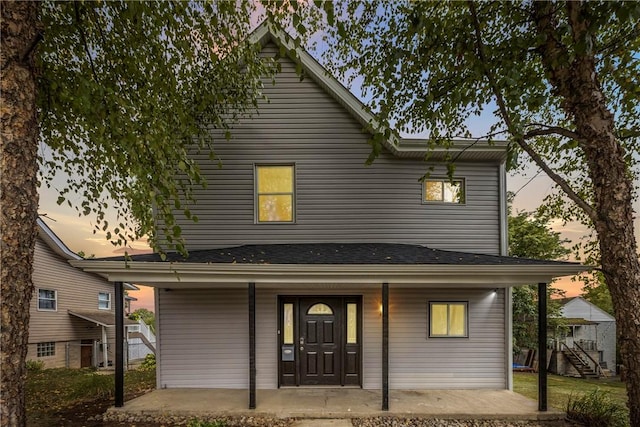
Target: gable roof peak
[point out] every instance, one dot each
(471, 149)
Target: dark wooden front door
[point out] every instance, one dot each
(86, 353)
(319, 341)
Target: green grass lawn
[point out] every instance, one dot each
(560, 388)
(54, 395)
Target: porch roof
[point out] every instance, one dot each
(100, 318)
(578, 321)
(362, 263)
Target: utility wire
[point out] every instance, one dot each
(528, 182)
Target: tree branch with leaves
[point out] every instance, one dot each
(563, 79)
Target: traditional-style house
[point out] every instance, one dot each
(586, 346)
(308, 267)
(72, 322)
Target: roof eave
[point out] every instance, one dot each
(54, 242)
(160, 274)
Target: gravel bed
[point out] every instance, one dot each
(177, 420)
(435, 422)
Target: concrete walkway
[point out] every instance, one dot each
(339, 403)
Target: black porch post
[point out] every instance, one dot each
(385, 346)
(252, 345)
(542, 346)
(119, 297)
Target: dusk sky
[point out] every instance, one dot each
(78, 232)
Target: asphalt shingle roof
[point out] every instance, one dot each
(337, 253)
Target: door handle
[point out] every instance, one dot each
(301, 340)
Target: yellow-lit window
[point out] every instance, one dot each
(287, 321)
(448, 319)
(352, 323)
(275, 193)
(320, 309)
(443, 190)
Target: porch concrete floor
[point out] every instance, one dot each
(340, 403)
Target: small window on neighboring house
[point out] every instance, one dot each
(104, 301)
(274, 187)
(46, 349)
(448, 319)
(443, 190)
(47, 299)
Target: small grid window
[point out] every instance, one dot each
(47, 299)
(275, 193)
(104, 301)
(46, 349)
(443, 190)
(448, 319)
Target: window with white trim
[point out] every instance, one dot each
(47, 299)
(46, 349)
(274, 193)
(448, 319)
(443, 190)
(104, 301)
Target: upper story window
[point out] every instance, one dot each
(104, 301)
(448, 319)
(443, 190)
(47, 299)
(275, 198)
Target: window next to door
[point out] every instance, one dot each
(448, 319)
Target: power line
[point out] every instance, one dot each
(528, 182)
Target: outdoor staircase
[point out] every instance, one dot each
(582, 366)
(144, 340)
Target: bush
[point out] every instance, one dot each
(149, 363)
(597, 409)
(35, 365)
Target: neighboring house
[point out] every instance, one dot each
(127, 304)
(309, 268)
(72, 312)
(590, 334)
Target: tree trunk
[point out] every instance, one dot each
(585, 104)
(18, 198)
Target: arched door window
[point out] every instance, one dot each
(320, 309)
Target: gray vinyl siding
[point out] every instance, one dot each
(338, 197)
(203, 337)
(417, 361)
(76, 290)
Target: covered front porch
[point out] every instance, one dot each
(374, 270)
(332, 403)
